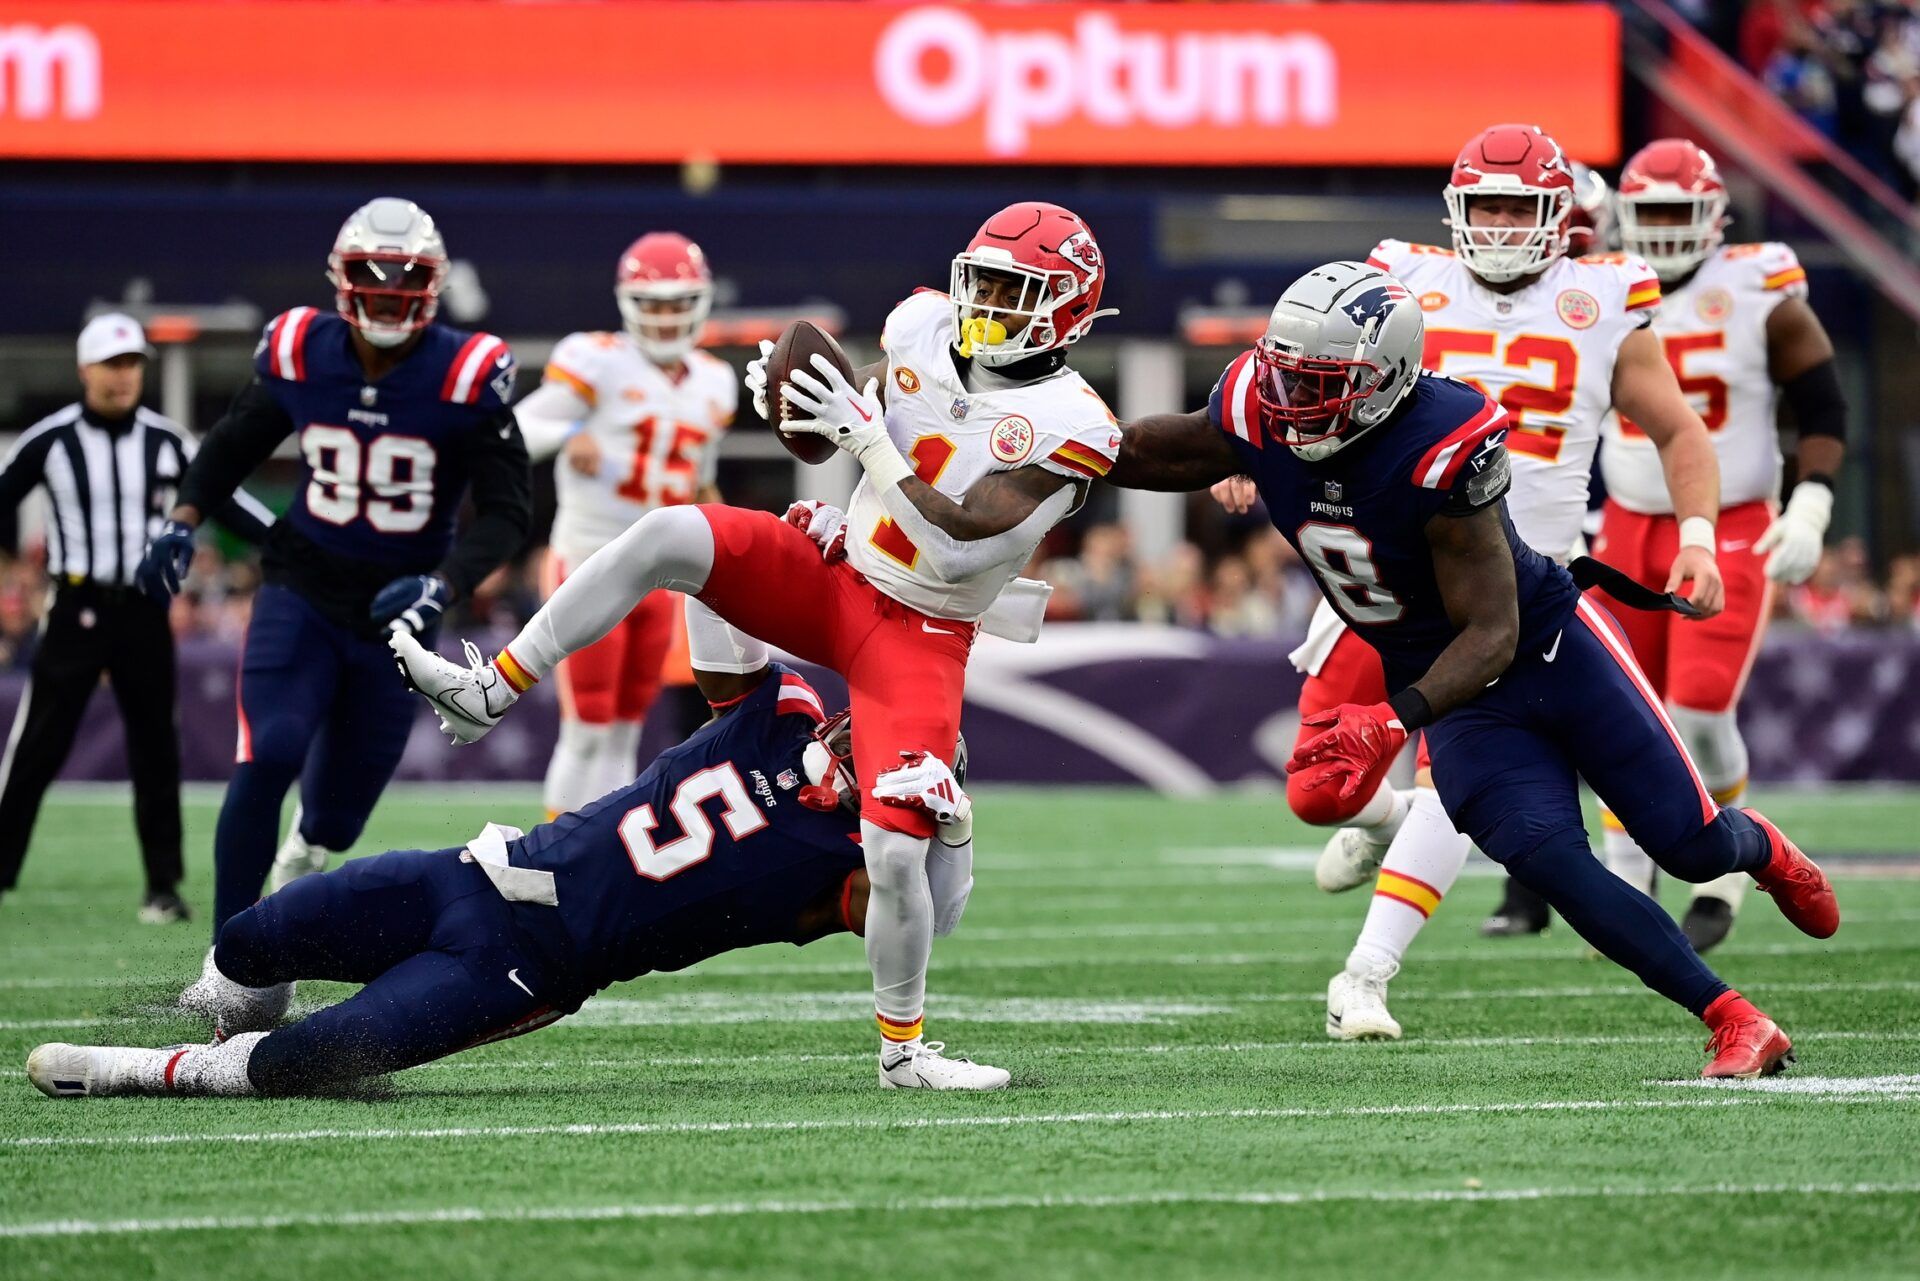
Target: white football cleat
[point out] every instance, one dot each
(471, 700)
(1357, 1005)
(1351, 859)
(62, 1071)
(296, 858)
(232, 1007)
(923, 1065)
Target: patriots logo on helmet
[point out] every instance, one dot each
(1373, 306)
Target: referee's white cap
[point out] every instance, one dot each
(111, 335)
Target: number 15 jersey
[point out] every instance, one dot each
(1546, 353)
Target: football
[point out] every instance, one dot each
(795, 350)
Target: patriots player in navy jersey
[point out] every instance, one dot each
(747, 833)
(397, 418)
(1389, 484)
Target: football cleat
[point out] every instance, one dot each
(1357, 1005)
(1749, 1046)
(233, 1007)
(62, 1071)
(1800, 889)
(165, 908)
(1521, 912)
(471, 700)
(1351, 859)
(1707, 923)
(295, 858)
(924, 1065)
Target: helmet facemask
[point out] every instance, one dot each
(827, 762)
(664, 318)
(1673, 248)
(1003, 310)
(1308, 402)
(1499, 254)
(387, 296)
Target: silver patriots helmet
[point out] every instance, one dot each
(387, 267)
(1341, 351)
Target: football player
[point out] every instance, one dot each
(742, 835)
(983, 440)
(1389, 484)
(636, 416)
(397, 418)
(1737, 329)
(1556, 341)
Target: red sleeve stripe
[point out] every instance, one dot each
(1791, 276)
(463, 375)
(797, 698)
(1644, 293)
(1076, 453)
(288, 343)
(1076, 464)
(1439, 466)
(1241, 401)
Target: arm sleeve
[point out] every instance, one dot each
(550, 413)
(1819, 406)
(243, 439)
(246, 516)
(502, 500)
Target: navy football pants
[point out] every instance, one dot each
(444, 964)
(320, 704)
(1508, 766)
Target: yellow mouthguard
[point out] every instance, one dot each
(980, 330)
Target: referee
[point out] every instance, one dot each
(110, 467)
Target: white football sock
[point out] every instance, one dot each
(1380, 818)
(1421, 865)
(899, 928)
(1713, 740)
(670, 547)
(617, 762)
(949, 879)
(217, 1070)
(574, 773)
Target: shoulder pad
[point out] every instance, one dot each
(1444, 461)
(1775, 266)
(917, 308)
(579, 360)
(480, 373)
(795, 697)
(1234, 405)
(282, 350)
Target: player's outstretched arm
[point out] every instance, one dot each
(1645, 390)
(1473, 566)
(1800, 361)
(1176, 453)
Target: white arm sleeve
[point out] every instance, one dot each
(714, 646)
(550, 413)
(954, 559)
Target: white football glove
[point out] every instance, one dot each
(854, 420)
(924, 783)
(1797, 534)
(824, 523)
(757, 379)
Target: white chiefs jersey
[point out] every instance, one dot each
(1714, 331)
(953, 437)
(656, 431)
(1546, 352)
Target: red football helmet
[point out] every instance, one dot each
(1675, 173)
(1028, 282)
(1590, 227)
(1511, 160)
(665, 290)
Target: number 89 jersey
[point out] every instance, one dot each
(1546, 353)
(383, 466)
(1359, 517)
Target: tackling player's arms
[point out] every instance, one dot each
(1179, 453)
(1473, 565)
(1646, 391)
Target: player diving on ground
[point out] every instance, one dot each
(744, 834)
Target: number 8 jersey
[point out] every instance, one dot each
(1546, 353)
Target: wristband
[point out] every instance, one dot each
(884, 465)
(1696, 531)
(1412, 709)
(1816, 478)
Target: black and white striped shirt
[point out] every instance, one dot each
(111, 484)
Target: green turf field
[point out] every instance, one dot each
(1153, 974)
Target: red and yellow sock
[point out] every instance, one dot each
(516, 676)
(1416, 894)
(897, 1030)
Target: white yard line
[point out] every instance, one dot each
(924, 1205)
(619, 1129)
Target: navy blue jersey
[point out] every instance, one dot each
(383, 466)
(1358, 519)
(707, 851)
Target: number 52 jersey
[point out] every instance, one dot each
(1359, 518)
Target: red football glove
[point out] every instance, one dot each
(1354, 752)
(825, 524)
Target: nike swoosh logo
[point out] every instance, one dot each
(513, 977)
(865, 417)
(925, 626)
(1554, 648)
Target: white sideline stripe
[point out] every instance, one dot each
(627, 1128)
(924, 1205)
(1904, 1086)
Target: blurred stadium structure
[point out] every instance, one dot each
(189, 160)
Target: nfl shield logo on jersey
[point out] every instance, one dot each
(960, 408)
(1334, 491)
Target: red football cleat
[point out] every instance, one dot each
(1745, 1043)
(1800, 889)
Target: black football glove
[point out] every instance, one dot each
(165, 565)
(412, 604)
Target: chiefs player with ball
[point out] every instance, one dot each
(983, 441)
